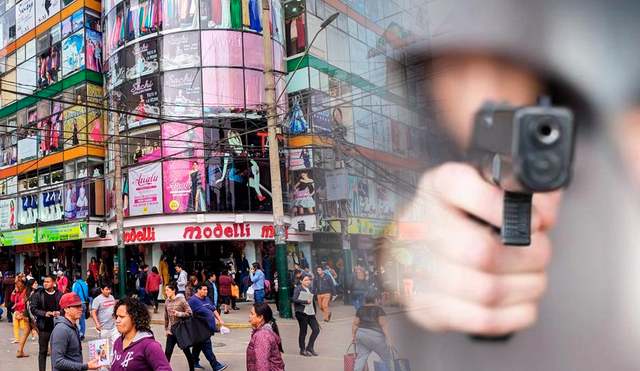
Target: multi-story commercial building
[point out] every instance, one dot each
(51, 138)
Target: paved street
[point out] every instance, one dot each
(230, 349)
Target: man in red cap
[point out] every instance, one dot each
(66, 348)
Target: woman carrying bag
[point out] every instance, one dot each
(370, 333)
(176, 308)
(306, 316)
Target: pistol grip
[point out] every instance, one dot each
(516, 225)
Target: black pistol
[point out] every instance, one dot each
(523, 150)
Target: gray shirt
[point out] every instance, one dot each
(182, 281)
(105, 306)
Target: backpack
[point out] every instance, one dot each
(95, 292)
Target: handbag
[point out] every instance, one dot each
(250, 292)
(394, 364)
(87, 310)
(191, 331)
(350, 358)
(235, 291)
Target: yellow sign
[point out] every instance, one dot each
(373, 227)
(174, 205)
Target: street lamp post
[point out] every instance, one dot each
(274, 154)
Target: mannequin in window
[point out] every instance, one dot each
(138, 153)
(82, 204)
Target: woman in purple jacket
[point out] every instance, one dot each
(136, 349)
(265, 346)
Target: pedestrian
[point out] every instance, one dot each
(142, 283)
(189, 289)
(176, 308)
(8, 285)
(325, 291)
(93, 268)
(62, 282)
(306, 316)
(183, 278)
(265, 347)
(45, 305)
(91, 279)
(275, 290)
(29, 326)
(358, 287)
(136, 349)
(102, 314)
(258, 281)
(163, 270)
(212, 289)
(17, 298)
(66, 350)
(154, 281)
(202, 306)
(225, 289)
(82, 289)
(370, 332)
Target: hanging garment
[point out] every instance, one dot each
(246, 21)
(226, 14)
(216, 11)
(255, 9)
(236, 14)
(302, 40)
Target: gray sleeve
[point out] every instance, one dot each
(60, 362)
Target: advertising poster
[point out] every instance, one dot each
(141, 59)
(321, 112)
(75, 126)
(146, 189)
(77, 20)
(94, 50)
(73, 53)
(181, 15)
(304, 191)
(382, 133)
(50, 206)
(367, 198)
(50, 132)
(110, 195)
(223, 92)
(95, 95)
(25, 17)
(180, 50)
(141, 97)
(183, 186)
(386, 201)
(297, 120)
(399, 137)
(67, 29)
(21, 237)
(231, 42)
(28, 209)
(8, 214)
(49, 67)
(182, 140)
(68, 232)
(353, 195)
(182, 93)
(76, 201)
(114, 70)
(45, 9)
(300, 159)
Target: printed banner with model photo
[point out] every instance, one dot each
(73, 53)
(49, 66)
(182, 93)
(141, 96)
(386, 201)
(300, 159)
(180, 50)
(142, 59)
(146, 189)
(75, 126)
(183, 186)
(367, 198)
(8, 214)
(321, 112)
(76, 201)
(50, 131)
(115, 70)
(94, 50)
(182, 140)
(45, 9)
(25, 17)
(304, 190)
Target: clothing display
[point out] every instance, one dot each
(144, 19)
(255, 15)
(179, 14)
(302, 40)
(226, 14)
(116, 32)
(236, 14)
(246, 22)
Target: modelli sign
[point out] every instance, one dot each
(199, 232)
(56, 233)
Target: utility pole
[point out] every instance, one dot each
(119, 208)
(274, 164)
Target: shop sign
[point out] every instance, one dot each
(30, 248)
(21, 237)
(364, 241)
(412, 231)
(67, 232)
(374, 227)
(326, 241)
(145, 234)
(200, 232)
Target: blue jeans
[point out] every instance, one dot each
(259, 296)
(358, 298)
(207, 349)
(83, 325)
(143, 296)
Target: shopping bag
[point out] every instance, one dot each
(250, 292)
(394, 364)
(350, 358)
(235, 291)
(192, 330)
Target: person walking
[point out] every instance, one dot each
(325, 290)
(142, 283)
(370, 332)
(45, 305)
(265, 347)
(82, 289)
(154, 281)
(66, 349)
(202, 306)
(136, 349)
(258, 279)
(212, 289)
(8, 285)
(183, 278)
(91, 279)
(29, 326)
(225, 289)
(102, 314)
(19, 305)
(306, 316)
(176, 308)
(62, 282)
(189, 289)
(358, 287)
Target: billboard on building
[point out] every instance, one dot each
(223, 91)
(141, 99)
(180, 51)
(300, 159)
(75, 126)
(353, 195)
(387, 204)
(182, 93)
(182, 140)
(8, 214)
(367, 198)
(304, 190)
(145, 194)
(76, 200)
(320, 112)
(73, 58)
(25, 17)
(115, 70)
(94, 50)
(48, 72)
(231, 43)
(50, 205)
(183, 186)
(50, 131)
(141, 59)
(45, 9)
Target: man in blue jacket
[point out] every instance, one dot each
(80, 287)
(257, 277)
(202, 306)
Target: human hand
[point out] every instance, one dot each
(221, 322)
(98, 327)
(93, 365)
(309, 301)
(389, 342)
(56, 313)
(353, 339)
(48, 314)
(480, 286)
